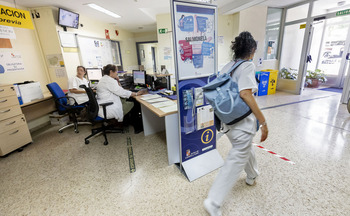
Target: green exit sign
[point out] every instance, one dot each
(163, 30)
(343, 12)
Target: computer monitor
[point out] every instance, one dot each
(139, 77)
(94, 73)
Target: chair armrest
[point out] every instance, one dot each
(106, 104)
(65, 106)
(104, 108)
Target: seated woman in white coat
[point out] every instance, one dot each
(75, 91)
(110, 90)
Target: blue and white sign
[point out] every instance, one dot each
(195, 52)
(195, 37)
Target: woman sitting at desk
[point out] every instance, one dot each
(75, 91)
(109, 90)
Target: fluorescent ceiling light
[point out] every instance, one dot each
(101, 9)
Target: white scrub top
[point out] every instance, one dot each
(109, 90)
(74, 83)
(244, 76)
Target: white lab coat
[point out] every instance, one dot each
(241, 134)
(74, 83)
(109, 90)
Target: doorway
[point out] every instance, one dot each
(147, 55)
(327, 49)
(317, 32)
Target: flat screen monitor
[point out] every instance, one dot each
(67, 18)
(94, 73)
(139, 77)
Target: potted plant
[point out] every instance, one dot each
(288, 73)
(313, 78)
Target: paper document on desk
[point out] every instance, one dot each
(157, 100)
(168, 109)
(163, 104)
(149, 97)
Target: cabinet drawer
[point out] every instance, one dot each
(9, 112)
(8, 101)
(11, 123)
(7, 90)
(13, 139)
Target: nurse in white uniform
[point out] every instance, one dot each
(75, 91)
(110, 90)
(241, 156)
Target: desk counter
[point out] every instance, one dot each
(156, 111)
(155, 120)
(39, 108)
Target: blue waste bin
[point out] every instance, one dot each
(263, 86)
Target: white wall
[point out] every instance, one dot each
(27, 44)
(49, 42)
(146, 36)
(165, 42)
(228, 29)
(254, 20)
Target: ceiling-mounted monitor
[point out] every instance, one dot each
(68, 18)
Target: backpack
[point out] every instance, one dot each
(223, 95)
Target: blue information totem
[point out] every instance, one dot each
(195, 55)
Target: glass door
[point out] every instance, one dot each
(332, 49)
(293, 41)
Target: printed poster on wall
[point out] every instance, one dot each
(195, 40)
(11, 62)
(7, 32)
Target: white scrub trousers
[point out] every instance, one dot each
(240, 157)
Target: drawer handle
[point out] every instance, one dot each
(3, 101)
(1, 90)
(14, 132)
(10, 123)
(5, 111)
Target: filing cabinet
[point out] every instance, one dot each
(14, 132)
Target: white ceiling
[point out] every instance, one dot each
(138, 15)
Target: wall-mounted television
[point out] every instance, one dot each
(68, 18)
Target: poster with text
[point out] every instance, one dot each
(198, 133)
(11, 62)
(195, 40)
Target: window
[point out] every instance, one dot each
(297, 13)
(273, 25)
(325, 6)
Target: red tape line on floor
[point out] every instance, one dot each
(271, 152)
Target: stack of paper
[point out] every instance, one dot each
(168, 109)
(157, 100)
(150, 96)
(163, 104)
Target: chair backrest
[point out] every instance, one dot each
(57, 92)
(93, 105)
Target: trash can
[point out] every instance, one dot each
(57, 119)
(263, 78)
(272, 81)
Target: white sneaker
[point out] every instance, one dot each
(211, 208)
(250, 181)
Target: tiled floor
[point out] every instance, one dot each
(59, 175)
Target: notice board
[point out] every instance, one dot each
(97, 52)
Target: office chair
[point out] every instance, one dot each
(93, 108)
(63, 106)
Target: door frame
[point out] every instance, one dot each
(137, 49)
(307, 41)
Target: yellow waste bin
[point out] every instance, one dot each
(272, 81)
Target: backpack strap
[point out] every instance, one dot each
(235, 65)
